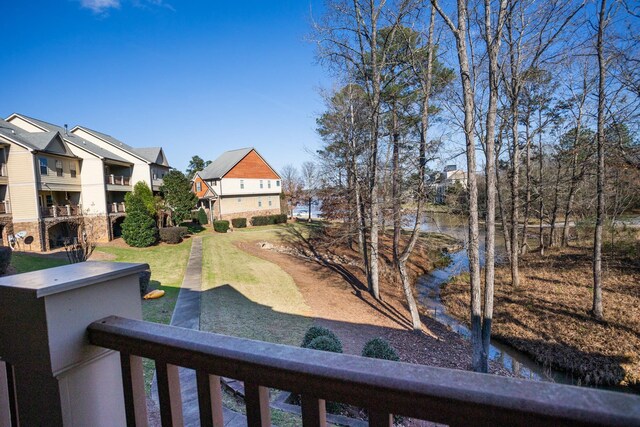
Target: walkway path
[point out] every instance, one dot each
(186, 314)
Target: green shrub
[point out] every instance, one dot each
(378, 348)
(318, 331)
(202, 216)
(325, 343)
(269, 219)
(139, 227)
(221, 226)
(5, 259)
(172, 235)
(144, 277)
(239, 222)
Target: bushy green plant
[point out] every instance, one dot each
(319, 331)
(325, 343)
(5, 259)
(172, 235)
(379, 348)
(268, 219)
(239, 222)
(221, 226)
(202, 216)
(139, 227)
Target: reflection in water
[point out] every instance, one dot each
(428, 287)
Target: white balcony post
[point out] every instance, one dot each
(60, 379)
(68, 210)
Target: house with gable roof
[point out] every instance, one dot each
(42, 190)
(238, 184)
(149, 164)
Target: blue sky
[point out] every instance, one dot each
(195, 77)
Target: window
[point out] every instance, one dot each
(239, 200)
(198, 186)
(242, 184)
(261, 186)
(278, 183)
(269, 184)
(59, 168)
(49, 199)
(259, 202)
(72, 170)
(269, 201)
(43, 166)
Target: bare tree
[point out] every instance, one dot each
(292, 187)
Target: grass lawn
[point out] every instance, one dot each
(249, 297)
(168, 264)
(25, 262)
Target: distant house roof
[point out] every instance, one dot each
(457, 175)
(72, 139)
(154, 154)
(223, 164)
(40, 141)
(149, 155)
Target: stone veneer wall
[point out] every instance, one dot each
(249, 214)
(34, 230)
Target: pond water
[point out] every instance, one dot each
(428, 287)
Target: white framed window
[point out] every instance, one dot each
(242, 184)
(59, 170)
(72, 170)
(269, 184)
(269, 201)
(259, 202)
(44, 169)
(278, 183)
(261, 185)
(198, 186)
(239, 200)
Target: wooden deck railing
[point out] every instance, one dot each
(65, 210)
(4, 207)
(382, 387)
(116, 207)
(118, 180)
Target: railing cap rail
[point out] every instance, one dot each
(436, 394)
(67, 277)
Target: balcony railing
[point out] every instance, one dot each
(118, 180)
(116, 207)
(59, 211)
(384, 388)
(5, 208)
(3, 170)
(67, 372)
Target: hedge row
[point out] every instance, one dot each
(239, 222)
(221, 226)
(269, 219)
(173, 235)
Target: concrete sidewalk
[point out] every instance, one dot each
(186, 314)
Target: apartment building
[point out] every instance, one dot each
(55, 183)
(239, 183)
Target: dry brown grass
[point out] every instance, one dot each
(548, 316)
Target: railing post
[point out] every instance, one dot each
(59, 378)
(68, 210)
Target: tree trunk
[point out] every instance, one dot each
(597, 244)
(395, 190)
(515, 182)
(527, 202)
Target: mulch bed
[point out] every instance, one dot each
(548, 315)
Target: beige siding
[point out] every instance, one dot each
(248, 186)
(23, 124)
(52, 177)
(94, 197)
(141, 170)
(230, 205)
(22, 184)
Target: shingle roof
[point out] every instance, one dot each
(151, 154)
(75, 140)
(116, 143)
(223, 164)
(35, 141)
